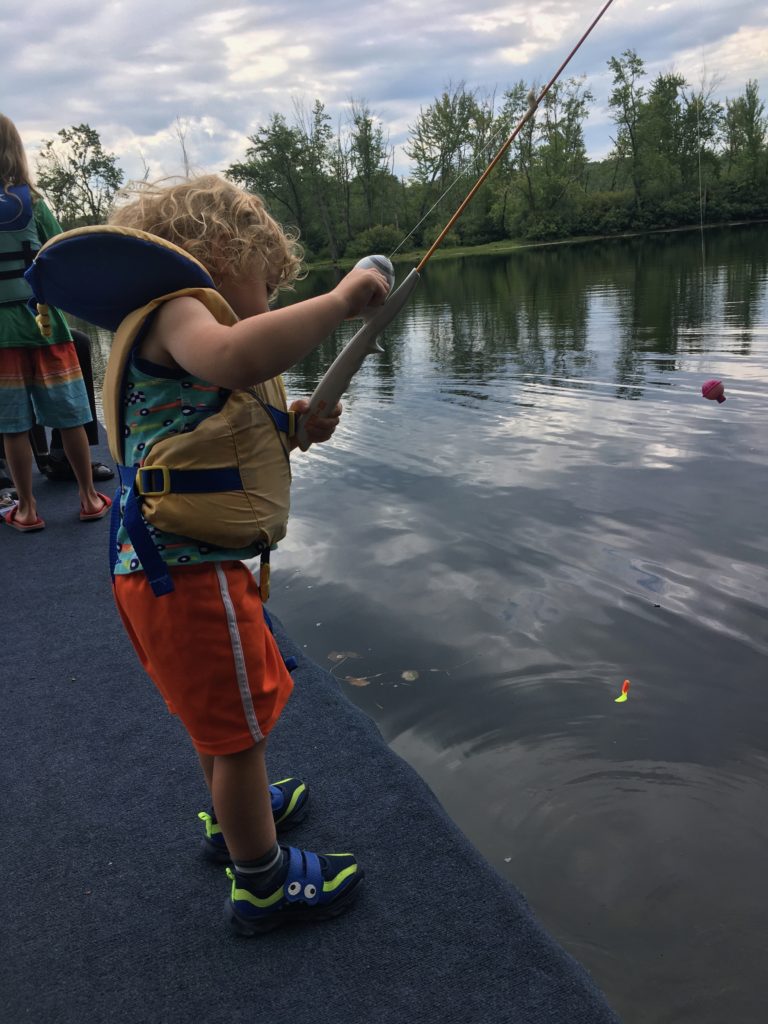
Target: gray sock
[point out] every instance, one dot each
(262, 873)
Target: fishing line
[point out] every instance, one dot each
(365, 342)
(533, 103)
(530, 112)
(707, 359)
(701, 197)
(462, 173)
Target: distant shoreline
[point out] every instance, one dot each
(511, 245)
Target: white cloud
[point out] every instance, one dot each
(131, 69)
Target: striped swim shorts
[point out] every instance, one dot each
(208, 650)
(42, 385)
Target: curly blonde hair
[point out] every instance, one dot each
(224, 227)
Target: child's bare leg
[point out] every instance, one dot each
(288, 802)
(18, 455)
(77, 450)
(240, 792)
(206, 763)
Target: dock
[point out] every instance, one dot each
(109, 914)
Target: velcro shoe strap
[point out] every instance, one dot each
(276, 798)
(304, 881)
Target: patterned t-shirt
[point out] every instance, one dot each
(157, 403)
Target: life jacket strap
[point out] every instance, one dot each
(181, 481)
(290, 662)
(26, 253)
(284, 421)
(154, 481)
(264, 572)
(151, 560)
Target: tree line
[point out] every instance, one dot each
(679, 157)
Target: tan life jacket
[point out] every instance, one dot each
(243, 436)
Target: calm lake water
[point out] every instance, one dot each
(528, 502)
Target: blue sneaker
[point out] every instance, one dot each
(290, 803)
(314, 888)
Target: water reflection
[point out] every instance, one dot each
(527, 502)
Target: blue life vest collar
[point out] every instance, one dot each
(92, 273)
(15, 207)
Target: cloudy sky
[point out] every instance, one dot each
(134, 69)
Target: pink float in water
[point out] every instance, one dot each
(714, 390)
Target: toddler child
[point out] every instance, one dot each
(205, 644)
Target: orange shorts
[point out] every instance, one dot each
(209, 651)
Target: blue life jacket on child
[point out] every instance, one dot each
(19, 241)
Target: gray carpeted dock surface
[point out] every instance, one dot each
(109, 915)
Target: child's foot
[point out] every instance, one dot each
(313, 888)
(290, 803)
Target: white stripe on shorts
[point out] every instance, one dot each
(237, 651)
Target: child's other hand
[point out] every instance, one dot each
(319, 428)
(361, 288)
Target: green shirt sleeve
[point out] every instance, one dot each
(47, 227)
(46, 223)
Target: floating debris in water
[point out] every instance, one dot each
(410, 674)
(624, 695)
(341, 655)
(357, 680)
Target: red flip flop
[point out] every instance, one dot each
(10, 518)
(106, 505)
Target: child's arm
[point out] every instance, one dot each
(262, 346)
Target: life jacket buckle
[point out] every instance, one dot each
(147, 487)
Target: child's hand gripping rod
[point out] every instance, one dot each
(364, 343)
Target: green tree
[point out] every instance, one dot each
(677, 153)
(486, 131)
(78, 177)
(318, 149)
(700, 130)
(745, 131)
(440, 138)
(626, 101)
(547, 167)
(562, 155)
(341, 173)
(661, 134)
(452, 139)
(519, 159)
(370, 157)
(274, 167)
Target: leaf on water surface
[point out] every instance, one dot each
(356, 680)
(410, 674)
(341, 655)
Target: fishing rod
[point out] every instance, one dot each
(366, 342)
